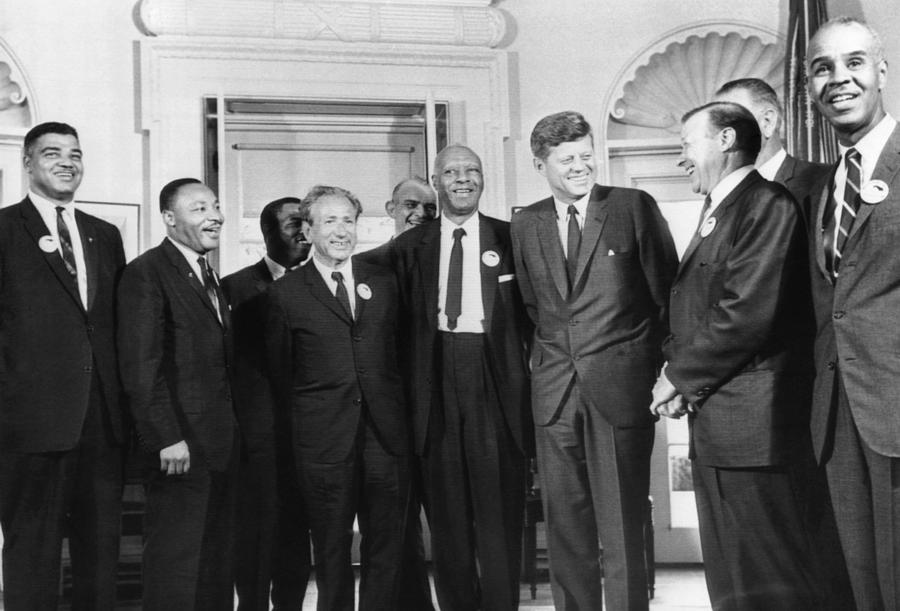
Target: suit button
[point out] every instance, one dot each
(361, 371)
(576, 357)
(839, 314)
(357, 401)
(87, 369)
(357, 338)
(90, 328)
(573, 322)
(831, 365)
(674, 291)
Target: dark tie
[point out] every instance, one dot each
(849, 207)
(341, 293)
(65, 244)
(454, 279)
(573, 244)
(707, 204)
(211, 286)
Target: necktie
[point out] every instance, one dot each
(573, 244)
(211, 286)
(65, 244)
(341, 293)
(849, 206)
(707, 204)
(454, 279)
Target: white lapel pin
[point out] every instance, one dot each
(364, 291)
(490, 258)
(874, 191)
(708, 227)
(48, 244)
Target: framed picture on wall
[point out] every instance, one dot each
(126, 218)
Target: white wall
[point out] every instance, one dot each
(80, 59)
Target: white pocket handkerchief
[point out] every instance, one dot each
(506, 277)
(611, 253)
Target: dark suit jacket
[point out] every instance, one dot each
(610, 332)
(50, 345)
(799, 177)
(245, 292)
(176, 358)
(856, 315)
(417, 259)
(325, 367)
(738, 309)
(380, 255)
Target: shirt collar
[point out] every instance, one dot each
(42, 202)
(727, 185)
(277, 270)
(581, 204)
(871, 145)
(770, 168)
(189, 253)
(470, 225)
(345, 268)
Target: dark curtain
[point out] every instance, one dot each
(807, 135)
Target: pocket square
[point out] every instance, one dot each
(506, 277)
(611, 253)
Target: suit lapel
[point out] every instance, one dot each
(91, 257)
(428, 254)
(818, 228)
(551, 247)
(360, 277)
(320, 291)
(885, 170)
(721, 214)
(36, 227)
(785, 173)
(186, 272)
(489, 273)
(262, 276)
(594, 219)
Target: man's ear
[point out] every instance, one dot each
(539, 165)
(726, 138)
(389, 207)
(769, 123)
(168, 218)
(305, 229)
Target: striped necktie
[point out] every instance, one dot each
(849, 206)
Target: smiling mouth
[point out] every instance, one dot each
(841, 97)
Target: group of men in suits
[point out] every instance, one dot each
(470, 344)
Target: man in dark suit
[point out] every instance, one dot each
(854, 233)
(798, 176)
(61, 431)
(331, 340)
(176, 346)
(272, 532)
(738, 311)
(773, 162)
(469, 388)
(412, 203)
(594, 264)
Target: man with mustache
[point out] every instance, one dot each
(464, 336)
(61, 421)
(176, 346)
(272, 550)
(854, 264)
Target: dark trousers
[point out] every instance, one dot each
(756, 552)
(474, 477)
(865, 493)
(189, 538)
(272, 544)
(45, 497)
(373, 486)
(415, 590)
(595, 479)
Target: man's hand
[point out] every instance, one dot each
(175, 459)
(663, 393)
(675, 408)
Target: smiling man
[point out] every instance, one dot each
(272, 551)
(331, 341)
(175, 341)
(61, 422)
(466, 375)
(853, 241)
(594, 264)
(736, 362)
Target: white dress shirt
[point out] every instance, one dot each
(869, 147)
(725, 186)
(47, 210)
(347, 270)
(471, 318)
(562, 218)
(276, 269)
(770, 168)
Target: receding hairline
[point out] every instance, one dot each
(444, 152)
(875, 48)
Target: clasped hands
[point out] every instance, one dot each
(667, 401)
